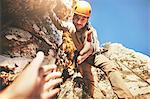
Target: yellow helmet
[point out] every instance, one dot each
(83, 8)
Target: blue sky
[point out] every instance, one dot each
(123, 21)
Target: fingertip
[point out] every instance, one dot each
(40, 54)
(37, 61)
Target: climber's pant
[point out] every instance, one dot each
(85, 70)
(109, 68)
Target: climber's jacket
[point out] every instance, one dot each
(85, 40)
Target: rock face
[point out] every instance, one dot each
(134, 68)
(30, 27)
(27, 27)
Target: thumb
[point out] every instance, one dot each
(37, 61)
(34, 67)
(89, 36)
(33, 70)
(28, 77)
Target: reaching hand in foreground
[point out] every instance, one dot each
(35, 82)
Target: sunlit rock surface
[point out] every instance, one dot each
(28, 29)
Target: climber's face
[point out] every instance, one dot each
(79, 21)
